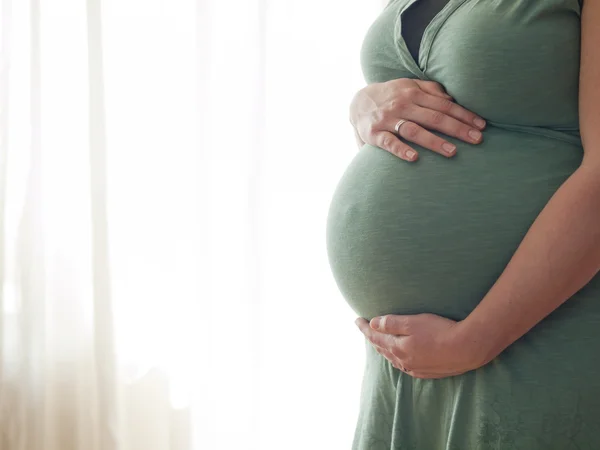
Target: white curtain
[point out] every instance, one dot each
(165, 173)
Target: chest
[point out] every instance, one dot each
(514, 61)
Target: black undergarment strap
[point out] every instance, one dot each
(414, 21)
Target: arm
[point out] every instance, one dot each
(561, 251)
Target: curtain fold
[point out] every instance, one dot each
(165, 172)
(104, 364)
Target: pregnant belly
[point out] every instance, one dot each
(433, 236)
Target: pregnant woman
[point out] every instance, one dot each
(474, 267)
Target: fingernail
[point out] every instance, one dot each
(448, 148)
(411, 154)
(479, 122)
(375, 323)
(475, 135)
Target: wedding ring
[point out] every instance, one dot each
(398, 125)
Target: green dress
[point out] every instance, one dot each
(434, 235)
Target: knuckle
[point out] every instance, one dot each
(446, 105)
(394, 104)
(413, 93)
(370, 129)
(437, 117)
(375, 117)
(401, 106)
(410, 130)
(380, 115)
(387, 142)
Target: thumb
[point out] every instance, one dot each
(433, 88)
(392, 324)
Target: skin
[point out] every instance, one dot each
(376, 109)
(558, 256)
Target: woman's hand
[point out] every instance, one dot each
(376, 109)
(425, 345)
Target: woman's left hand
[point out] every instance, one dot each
(425, 345)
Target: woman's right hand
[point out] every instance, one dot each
(378, 107)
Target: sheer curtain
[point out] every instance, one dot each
(165, 173)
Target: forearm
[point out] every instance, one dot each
(559, 255)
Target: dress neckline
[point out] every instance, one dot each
(419, 68)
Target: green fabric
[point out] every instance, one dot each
(434, 235)
(415, 20)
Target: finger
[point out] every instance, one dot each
(451, 109)
(361, 323)
(387, 355)
(431, 376)
(396, 364)
(425, 376)
(437, 120)
(382, 340)
(390, 142)
(419, 135)
(433, 88)
(394, 324)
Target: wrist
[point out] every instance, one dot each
(482, 340)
